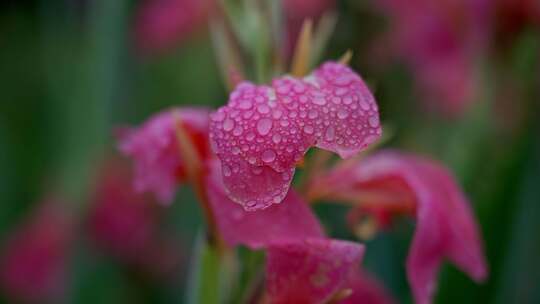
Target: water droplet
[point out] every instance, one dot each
(293, 114)
(319, 101)
(228, 124)
(285, 176)
(284, 123)
(250, 136)
(238, 131)
(347, 100)
(252, 160)
(276, 138)
(226, 170)
(364, 105)
(257, 170)
(373, 121)
(277, 114)
(219, 116)
(245, 104)
(313, 114)
(342, 113)
(330, 134)
(268, 156)
(308, 129)
(263, 109)
(336, 100)
(264, 126)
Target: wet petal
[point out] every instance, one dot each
(264, 131)
(153, 146)
(311, 271)
(366, 290)
(292, 220)
(445, 226)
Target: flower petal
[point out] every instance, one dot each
(292, 220)
(445, 224)
(268, 129)
(153, 146)
(366, 290)
(311, 271)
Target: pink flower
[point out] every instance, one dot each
(158, 164)
(311, 271)
(264, 131)
(160, 24)
(124, 224)
(34, 259)
(441, 42)
(390, 183)
(292, 220)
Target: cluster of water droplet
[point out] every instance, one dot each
(268, 129)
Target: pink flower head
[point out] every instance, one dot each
(310, 271)
(124, 224)
(264, 131)
(366, 290)
(158, 163)
(34, 259)
(440, 41)
(292, 220)
(445, 225)
(160, 24)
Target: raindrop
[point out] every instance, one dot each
(330, 134)
(264, 126)
(268, 156)
(228, 124)
(342, 113)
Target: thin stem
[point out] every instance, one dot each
(194, 171)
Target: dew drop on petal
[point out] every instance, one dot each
(238, 131)
(226, 170)
(263, 109)
(373, 121)
(276, 138)
(228, 124)
(308, 129)
(264, 126)
(342, 113)
(268, 156)
(330, 134)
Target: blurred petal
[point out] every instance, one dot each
(291, 220)
(441, 42)
(366, 290)
(161, 24)
(153, 146)
(125, 225)
(445, 226)
(33, 263)
(264, 131)
(310, 272)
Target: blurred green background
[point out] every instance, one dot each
(71, 73)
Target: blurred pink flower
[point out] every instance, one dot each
(160, 24)
(33, 262)
(441, 42)
(153, 146)
(292, 220)
(124, 224)
(390, 183)
(297, 11)
(264, 131)
(310, 271)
